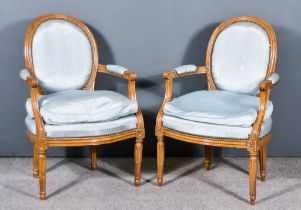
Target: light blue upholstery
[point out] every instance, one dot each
(185, 69)
(79, 106)
(240, 58)
(116, 69)
(86, 129)
(212, 130)
(62, 56)
(217, 107)
(24, 74)
(274, 78)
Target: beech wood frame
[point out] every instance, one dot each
(42, 142)
(254, 144)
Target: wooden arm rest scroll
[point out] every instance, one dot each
(31, 82)
(29, 79)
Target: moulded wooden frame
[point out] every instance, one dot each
(42, 142)
(254, 144)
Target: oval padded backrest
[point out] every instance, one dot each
(62, 55)
(240, 58)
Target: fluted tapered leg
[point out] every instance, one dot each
(160, 160)
(262, 160)
(93, 157)
(35, 160)
(252, 176)
(138, 160)
(208, 157)
(42, 173)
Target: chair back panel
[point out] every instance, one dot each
(240, 56)
(63, 54)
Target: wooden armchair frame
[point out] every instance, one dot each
(42, 142)
(254, 145)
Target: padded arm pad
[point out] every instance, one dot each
(274, 78)
(185, 69)
(24, 74)
(116, 69)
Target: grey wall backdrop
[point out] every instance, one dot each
(150, 37)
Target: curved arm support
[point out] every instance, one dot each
(40, 127)
(128, 75)
(140, 124)
(264, 95)
(122, 72)
(168, 76)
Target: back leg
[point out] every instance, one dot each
(262, 160)
(93, 155)
(208, 157)
(35, 160)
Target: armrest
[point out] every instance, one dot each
(29, 79)
(118, 71)
(185, 70)
(270, 82)
(24, 74)
(124, 73)
(274, 78)
(169, 75)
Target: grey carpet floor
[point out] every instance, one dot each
(71, 185)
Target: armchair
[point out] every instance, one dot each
(61, 63)
(236, 110)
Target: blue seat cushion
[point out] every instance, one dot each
(217, 107)
(121, 124)
(213, 130)
(80, 106)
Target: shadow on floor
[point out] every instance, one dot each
(281, 192)
(176, 169)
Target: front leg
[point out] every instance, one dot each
(42, 172)
(138, 160)
(35, 160)
(160, 160)
(252, 176)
